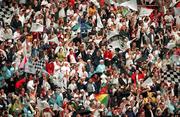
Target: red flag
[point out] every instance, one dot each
(101, 3)
(20, 83)
(103, 90)
(177, 4)
(72, 2)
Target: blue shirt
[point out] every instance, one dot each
(100, 68)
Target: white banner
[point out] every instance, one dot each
(37, 27)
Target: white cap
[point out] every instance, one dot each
(88, 60)
(101, 60)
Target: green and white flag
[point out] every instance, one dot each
(145, 12)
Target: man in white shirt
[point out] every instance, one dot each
(72, 86)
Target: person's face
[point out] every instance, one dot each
(71, 51)
(151, 30)
(134, 44)
(78, 35)
(61, 50)
(102, 62)
(17, 17)
(90, 81)
(142, 114)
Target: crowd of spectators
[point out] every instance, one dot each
(79, 63)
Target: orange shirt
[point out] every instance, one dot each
(92, 11)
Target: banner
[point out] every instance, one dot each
(37, 27)
(132, 4)
(145, 12)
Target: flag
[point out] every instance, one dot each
(45, 72)
(177, 11)
(96, 3)
(62, 13)
(29, 68)
(102, 98)
(103, 90)
(150, 1)
(72, 2)
(99, 22)
(25, 47)
(75, 27)
(145, 12)
(102, 2)
(111, 2)
(37, 27)
(114, 3)
(171, 76)
(177, 4)
(125, 11)
(147, 82)
(171, 45)
(44, 3)
(55, 40)
(23, 62)
(132, 4)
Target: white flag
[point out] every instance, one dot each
(57, 49)
(145, 12)
(177, 11)
(147, 82)
(132, 4)
(96, 3)
(44, 2)
(55, 40)
(37, 27)
(99, 22)
(62, 13)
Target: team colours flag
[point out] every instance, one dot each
(103, 98)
